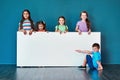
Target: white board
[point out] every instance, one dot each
(53, 49)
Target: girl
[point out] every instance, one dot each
(84, 24)
(26, 23)
(61, 27)
(41, 26)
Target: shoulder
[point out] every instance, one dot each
(57, 26)
(79, 22)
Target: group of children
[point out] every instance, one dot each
(93, 59)
(27, 24)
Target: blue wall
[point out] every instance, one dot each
(104, 15)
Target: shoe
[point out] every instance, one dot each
(82, 67)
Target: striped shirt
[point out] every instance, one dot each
(26, 25)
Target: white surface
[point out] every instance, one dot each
(53, 49)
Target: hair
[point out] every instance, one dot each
(87, 20)
(96, 45)
(22, 20)
(41, 22)
(61, 17)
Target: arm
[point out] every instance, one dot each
(19, 29)
(56, 29)
(89, 32)
(77, 29)
(100, 67)
(30, 32)
(84, 51)
(66, 30)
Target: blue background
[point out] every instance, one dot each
(103, 14)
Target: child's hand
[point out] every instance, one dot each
(65, 31)
(89, 32)
(30, 33)
(25, 32)
(79, 32)
(100, 69)
(79, 51)
(47, 31)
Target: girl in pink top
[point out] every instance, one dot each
(84, 24)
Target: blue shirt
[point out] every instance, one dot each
(96, 56)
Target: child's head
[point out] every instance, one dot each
(26, 14)
(61, 20)
(95, 47)
(41, 25)
(83, 15)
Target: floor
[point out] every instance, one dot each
(11, 72)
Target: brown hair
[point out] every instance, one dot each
(96, 45)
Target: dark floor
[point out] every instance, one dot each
(10, 72)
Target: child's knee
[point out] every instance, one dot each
(88, 56)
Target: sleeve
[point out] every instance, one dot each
(19, 27)
(77, 23)
(98, 57)
(66, 27)
(56, 27)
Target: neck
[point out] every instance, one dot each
(83, 20)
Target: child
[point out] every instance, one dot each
(41, 26)
(26, 23)
(84, 24)
(61, 27)
(93, 59)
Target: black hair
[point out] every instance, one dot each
(22, 20)
(61, 17)
(96, 45)
(41, 22)
(87, 20)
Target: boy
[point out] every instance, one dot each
(93, 59)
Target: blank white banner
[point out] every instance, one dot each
(53, 49)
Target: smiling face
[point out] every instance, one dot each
(41, 27)
(61, 21)
(25, 14)
(83, 16)
(95, 49)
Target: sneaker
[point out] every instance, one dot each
(82, 67)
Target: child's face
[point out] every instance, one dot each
(40, 26)
(95, 49)
(26, 15)
(61, 21)
(83, 16)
